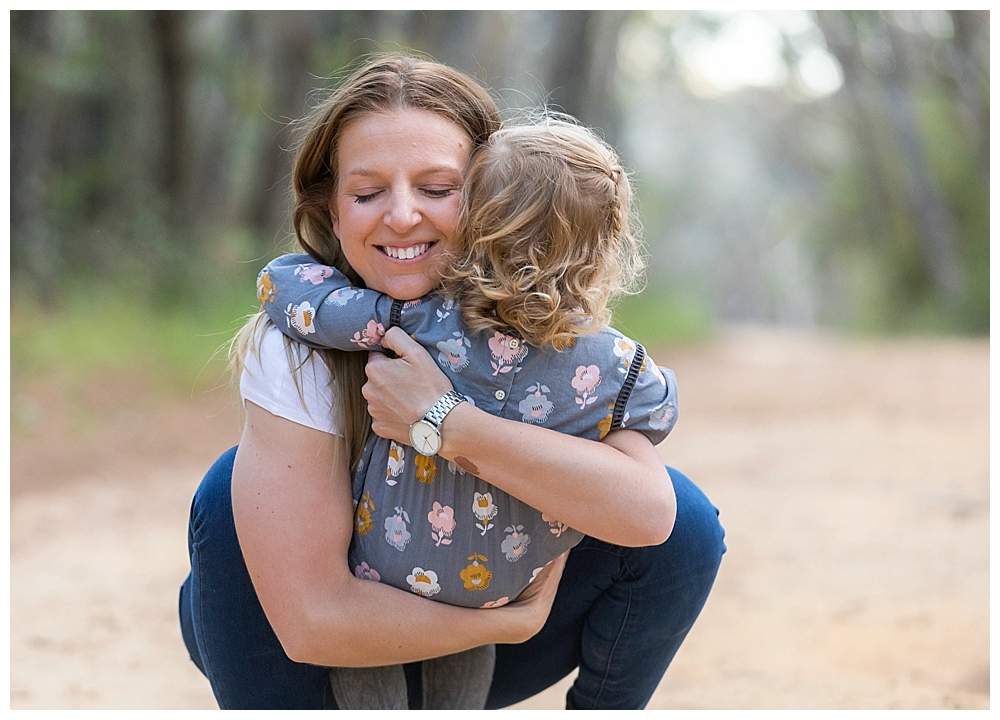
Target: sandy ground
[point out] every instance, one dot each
(853, 479)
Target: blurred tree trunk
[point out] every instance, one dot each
(890, 150)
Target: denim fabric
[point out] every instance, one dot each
(620, 614)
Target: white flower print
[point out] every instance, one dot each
(423, 582)
(484, 510)
(397, 459)
(300, 317)
(624, 349)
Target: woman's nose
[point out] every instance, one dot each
(403, 213)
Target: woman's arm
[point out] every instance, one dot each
(617, 490)
(294, 516)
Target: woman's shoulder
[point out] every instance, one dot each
(287, 380)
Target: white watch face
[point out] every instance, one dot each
(425, 438)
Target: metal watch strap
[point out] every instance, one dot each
(435, 416)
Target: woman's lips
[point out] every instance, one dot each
(405, 253)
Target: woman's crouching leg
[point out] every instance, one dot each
(620, 614)
(223, 624)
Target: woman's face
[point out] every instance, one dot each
(399, 183)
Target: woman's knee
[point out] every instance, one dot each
(697, 522)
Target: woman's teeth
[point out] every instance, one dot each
(406, 253)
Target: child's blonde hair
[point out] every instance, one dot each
(548, 234)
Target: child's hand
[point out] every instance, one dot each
(401, 390)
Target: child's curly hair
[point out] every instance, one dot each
(547, 234)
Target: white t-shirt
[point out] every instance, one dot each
(269, 382)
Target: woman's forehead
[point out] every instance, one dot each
(406, 137)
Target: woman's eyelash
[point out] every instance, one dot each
(361, 199)
(440, 193)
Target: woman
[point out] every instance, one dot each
(270, 600)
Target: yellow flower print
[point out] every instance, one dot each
(605, 425)
(426, 469)
(363, 522)
(475, 576)
(266, 289)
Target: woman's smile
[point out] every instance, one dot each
(409, 253)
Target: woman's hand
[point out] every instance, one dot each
(533, 605)
(401, 390)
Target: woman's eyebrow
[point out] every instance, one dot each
(437, 169)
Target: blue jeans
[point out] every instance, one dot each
(620, 615)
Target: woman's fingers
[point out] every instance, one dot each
(400, 390)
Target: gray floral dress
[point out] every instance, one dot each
(425, 524)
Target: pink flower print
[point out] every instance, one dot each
(313, 273)
(585, 382)
(370, 336)
(442, 520)
(555, 526)
(662, 419)
(500, 602)
(507, 351)
(364, 572)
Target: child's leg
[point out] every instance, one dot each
(460, 681)
(370, 688)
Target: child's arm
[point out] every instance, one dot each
(316, 305)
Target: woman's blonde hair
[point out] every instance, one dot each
(381, 83)
(548, 233)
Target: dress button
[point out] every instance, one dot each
(514, 343)
(499, 394)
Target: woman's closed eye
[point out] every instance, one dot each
(362, 199)
(439, 192)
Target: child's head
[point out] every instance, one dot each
(547, 235)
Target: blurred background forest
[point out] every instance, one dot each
(796, 168)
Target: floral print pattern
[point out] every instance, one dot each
(507, 351)
(426, 468)
(396, 533)
(371, 336)
(484, 509)
(442, 520)
(585, 382)
(453, 352)
(397, 460)
(313, 273)
(535, 408)
(266, 289)
(423, 582)
(516, 542)
(300, 317)
(363, 572)
(363, 510)
(341, 296)
(476, 576)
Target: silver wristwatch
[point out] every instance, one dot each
(425, 433)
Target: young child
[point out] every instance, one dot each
(519, 325)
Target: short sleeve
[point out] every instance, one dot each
(269, 381)
(652, 405)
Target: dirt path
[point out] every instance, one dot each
(853, 479)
